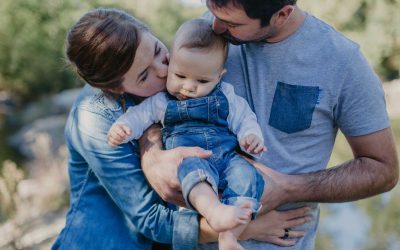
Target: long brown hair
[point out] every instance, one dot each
(102, 46)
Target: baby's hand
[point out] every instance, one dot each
(252, 144)
(117, 134)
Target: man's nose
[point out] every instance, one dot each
(219, 26)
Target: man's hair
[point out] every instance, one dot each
(256, 9)
(198, 34)
(102, 46)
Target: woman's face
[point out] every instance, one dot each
(148, 73)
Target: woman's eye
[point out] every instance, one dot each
(144, 78)
(158, 50)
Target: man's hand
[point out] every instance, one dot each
(275, 188)
(161, 166)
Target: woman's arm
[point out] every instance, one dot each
(118, 170)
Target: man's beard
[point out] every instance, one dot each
(235, 41)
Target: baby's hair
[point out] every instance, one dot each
(198, 34)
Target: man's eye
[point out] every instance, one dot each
(203, 81)
(180, 76)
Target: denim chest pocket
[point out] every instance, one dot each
(293, 107)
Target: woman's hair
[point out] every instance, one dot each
(102, 46)
(256, 9)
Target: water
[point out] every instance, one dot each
(348, 225)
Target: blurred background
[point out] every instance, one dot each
(37, 90)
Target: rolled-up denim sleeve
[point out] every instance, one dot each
(186, 230)
(118, 170)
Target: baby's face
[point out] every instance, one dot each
(194, 73)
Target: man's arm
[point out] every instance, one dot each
(160, 166)
(373, 170)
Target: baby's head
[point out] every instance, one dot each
(197, 60)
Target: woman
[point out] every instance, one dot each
(112, 204)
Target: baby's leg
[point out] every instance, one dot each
(199, 181)
(221, 217)
(243, 183)
(244, 189)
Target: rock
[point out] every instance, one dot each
(27, 139)
(6, 103)
(65, 99)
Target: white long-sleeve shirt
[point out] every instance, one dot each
(241, 119)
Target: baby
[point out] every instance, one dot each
(201, 110)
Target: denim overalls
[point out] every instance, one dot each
(203, 122)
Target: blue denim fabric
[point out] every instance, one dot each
(112, 206)
(293, 107)
(203, 122)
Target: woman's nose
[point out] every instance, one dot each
(161, 68)
(218, 26)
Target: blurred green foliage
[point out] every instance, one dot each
(373, 24)
(33, 35)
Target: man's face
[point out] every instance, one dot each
(232, 22)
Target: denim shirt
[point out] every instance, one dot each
(112, 206)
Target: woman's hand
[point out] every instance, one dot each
(271, 226)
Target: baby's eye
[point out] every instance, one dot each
(180, 76)
(203, 81)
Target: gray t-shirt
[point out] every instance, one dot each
(303, 89)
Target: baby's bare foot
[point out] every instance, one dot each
(224, 217)
(227, 241)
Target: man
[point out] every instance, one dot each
(304, 80)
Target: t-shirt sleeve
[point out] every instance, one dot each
(361, 106)
(138, 118)
(241, 119)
